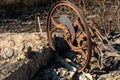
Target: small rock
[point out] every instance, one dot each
(71, 74)
(82, 77)
(15, 54)
(38, 37)
(40, 48)
(9, 53)
(117, 41)
(63, 72)
(3, 63)
(102, 78)
(88, 76)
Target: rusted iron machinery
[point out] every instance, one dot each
(81, 35)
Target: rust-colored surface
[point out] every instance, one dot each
(82, 34)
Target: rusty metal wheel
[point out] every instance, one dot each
(66, 20)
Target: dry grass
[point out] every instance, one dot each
(24, 1)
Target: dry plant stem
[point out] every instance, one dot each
(39, 23)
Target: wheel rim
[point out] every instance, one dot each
(82, 34)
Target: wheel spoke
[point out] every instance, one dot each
(53, 21)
